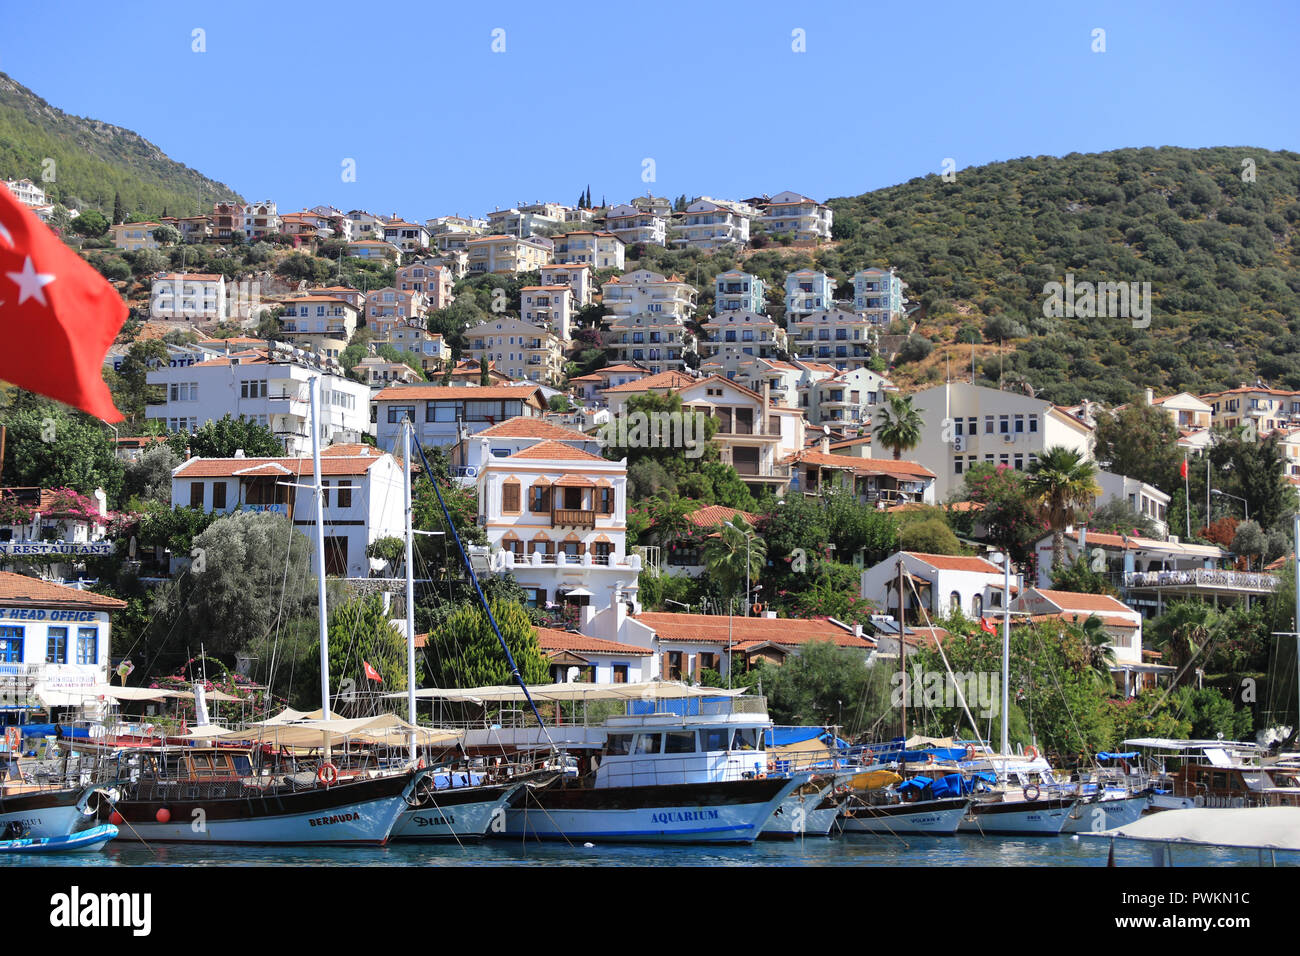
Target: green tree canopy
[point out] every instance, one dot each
(221, 439)
(475, 657)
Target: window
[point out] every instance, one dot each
(344, 495)
(11, 644)
(396, 413)
(988, 424)
(745, 738)
(539, 499)
(679, 742)
(606, 501)
(618, 745)
(56, 646)
(87, 645)
(713, 738)
(648, 744)
(1004, 424)
(196, 494)
(253, 389)
(954, 601)
(1033, 425)
(620, 673)
(510, 497)
(1020, 424)
(218, 495)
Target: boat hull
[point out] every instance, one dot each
(696, 813)
(811, 815)
(85, 841)
(356, 813)
(924, 818)
(462, 815)
(1105, 814)
(47, 814)
(1018, 818)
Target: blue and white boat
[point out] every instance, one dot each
(83, 841)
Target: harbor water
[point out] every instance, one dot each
(846, 850)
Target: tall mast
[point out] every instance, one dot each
(410, 582)
(1006, 649)
(319, 490)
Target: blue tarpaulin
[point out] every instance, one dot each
(1127, 756)
(785, 736)
(47, 730)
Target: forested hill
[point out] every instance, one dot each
(1215, 231)
(94, 160)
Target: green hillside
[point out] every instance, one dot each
(94, 160)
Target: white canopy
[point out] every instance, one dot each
(648, 690)
(1262, 828)
(382, 729)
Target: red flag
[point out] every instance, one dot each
(59, 315)
(371, 673)
(987, 627)
(1182, 469)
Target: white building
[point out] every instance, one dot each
(548, 307)
(596, 661)
(878, 295)
(513, 435)
(741, 333)
(195, 296)
(713, 225)
(27, 192)
(1146, 500)
(576, 277)
(600, 250)
(54, 642)
(631, 225)
(944, 583)
(736, 291)
(556, 517)
(988, 426)
(845, 398)
(448, 414)
(517, 348)
(266, 386)
(803, 218)
(808, 291)
(836, 337)
(319, 323)
(363, 497)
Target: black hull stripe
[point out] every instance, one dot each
(732, 793)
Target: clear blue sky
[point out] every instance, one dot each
(438, 123)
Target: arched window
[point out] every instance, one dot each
(954, 602)
(977, 605)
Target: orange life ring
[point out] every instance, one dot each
(419, 764)
(771, 765)
(756, 609)
(328, 774)
(929, 758)
(1031, 753)
(970, 751)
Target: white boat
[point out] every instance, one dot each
(1115, 809)
(809, 810)
(45, 813)
(939, 817)
(454, 807)
(1267, 830)
(667, 778)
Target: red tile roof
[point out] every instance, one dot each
(713, 629)
(1075, 601)
(553, 639)
(862, 466)
(397, 393)
(554, 450)
(230, 467)
(521, 426)
(710, 516)
(664, 380)
(1077, 617)
(20, 589)
(948, 562)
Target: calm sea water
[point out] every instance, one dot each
(845, 850)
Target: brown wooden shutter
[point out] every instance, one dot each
(510, 497)
(667, 667)
(697, 668)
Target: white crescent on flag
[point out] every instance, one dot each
(6, 236)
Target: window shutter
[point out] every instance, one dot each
(510, 497)
(697, 668)
(667, 667)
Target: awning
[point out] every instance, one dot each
(647, 690)
(575, 592)
(382, 729)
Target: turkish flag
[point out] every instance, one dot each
(58, 316)
(987, 627)
(1182, 469)
(371, 673)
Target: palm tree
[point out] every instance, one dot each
(900, 425)
(1101, 653)
(724, 554)
(1185, 631)
(1061, 483)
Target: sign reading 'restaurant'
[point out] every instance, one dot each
(56, 547)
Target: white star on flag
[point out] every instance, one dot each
(30, 282)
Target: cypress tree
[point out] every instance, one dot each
(119, 214)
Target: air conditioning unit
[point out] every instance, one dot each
(959, 443)
(1009, 438)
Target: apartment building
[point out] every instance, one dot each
(407, 236)
(518, 348)
(365, 225)
(192, 296)
(754, 436)
(448, 414)
(363, 497)
(736, 291)
(373, 250)
(507, 254)
(647, 314)
(943, 584)
(713, 225)
(526, 220)
(1267, 408)
(878, 295)
(807, 292)
(781, 379)
(576, 277)
(549, 307)
(991, 427)
(845, 340)
(432, 279)
(191, 228)
(599, 250)
(390, 307)
(844, 398)
(413, 337)
(797, 215)
(632, 225)
(319, 323)
(27, 192)
(135, 235)
(268, 386)
(378, 372)
(741, 334)
(254, 220)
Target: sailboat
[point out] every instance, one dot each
(210, 794)
(447, 805)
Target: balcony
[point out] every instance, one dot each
(573, 518)
(1204, 580)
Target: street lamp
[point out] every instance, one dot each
(1223, 494)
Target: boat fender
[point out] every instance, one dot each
(1031, 753)
(1034, 788)
(163, 815)
(328, 774)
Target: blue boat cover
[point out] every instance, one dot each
(1109, 756)
(785, 736)
(47, 730)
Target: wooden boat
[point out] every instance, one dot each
(83, 841)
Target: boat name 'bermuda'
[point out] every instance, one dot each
(684, 816)
(336, 818)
